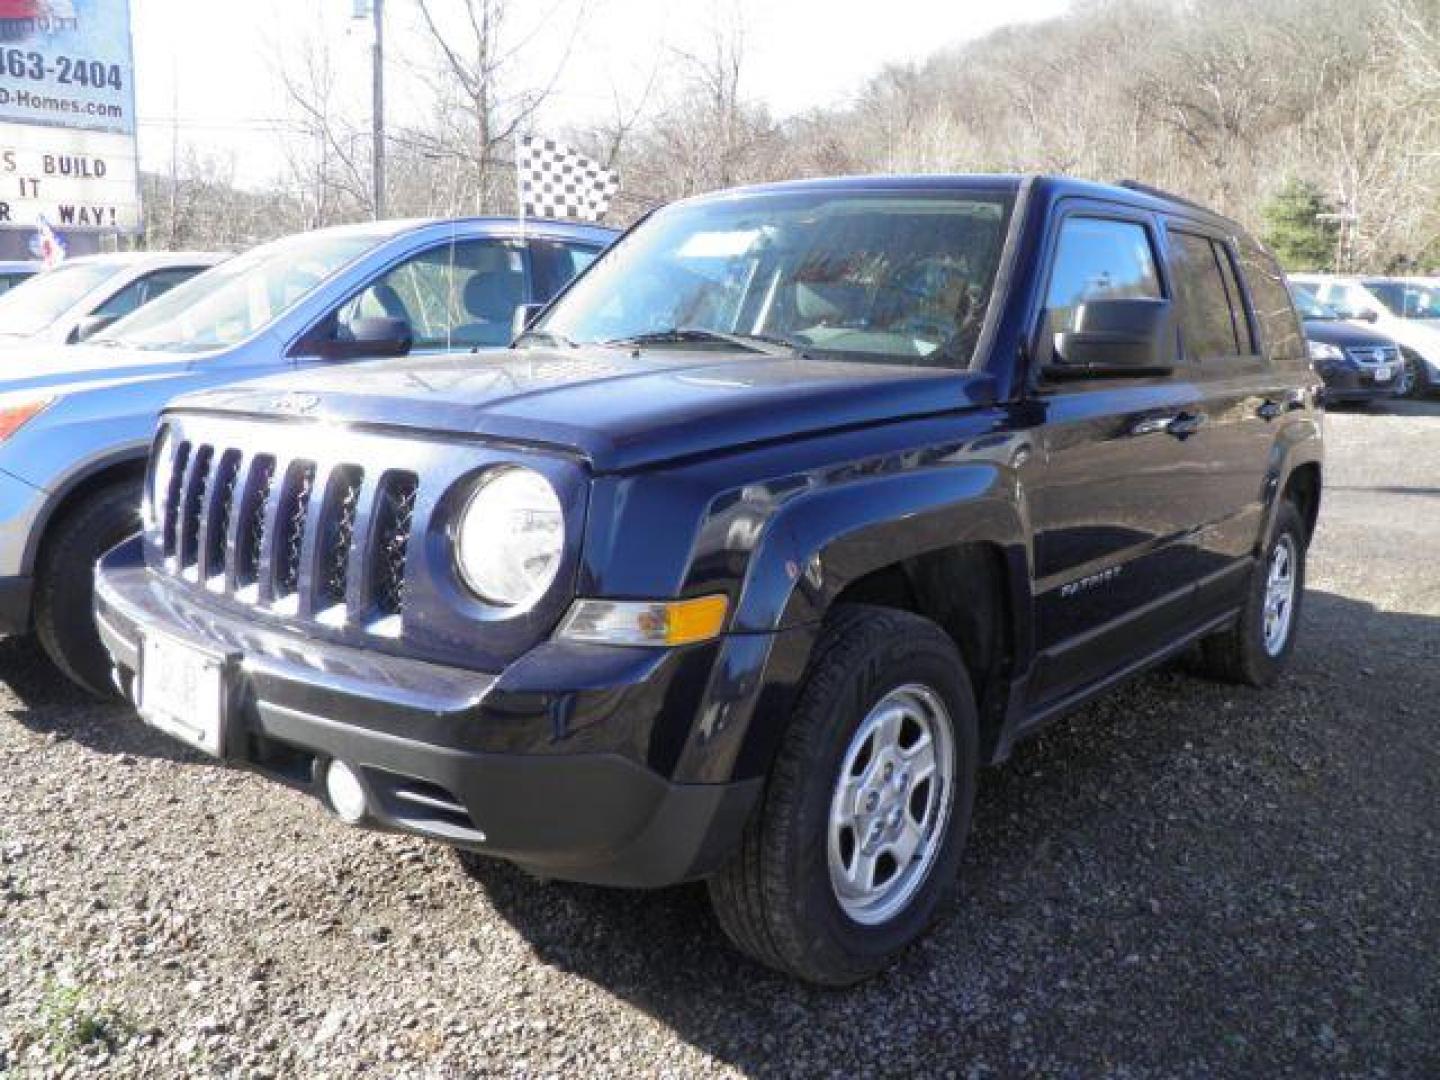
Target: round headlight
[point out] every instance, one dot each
(511, 537)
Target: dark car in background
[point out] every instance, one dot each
(1358, 365)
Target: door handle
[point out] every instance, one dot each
(1185, 425)
(1152, 425)
(1268, 410)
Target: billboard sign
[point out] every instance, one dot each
(67, 115)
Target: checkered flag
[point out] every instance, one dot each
(556, 182)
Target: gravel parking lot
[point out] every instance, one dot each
(1185, 879)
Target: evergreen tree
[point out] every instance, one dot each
(1292, 229)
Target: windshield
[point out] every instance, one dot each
(239, 298)
(1407, 301)
(30, 307)
(1312, 308)
(883, 277)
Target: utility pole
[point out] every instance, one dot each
(377, 11)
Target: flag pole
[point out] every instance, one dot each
(520, 184)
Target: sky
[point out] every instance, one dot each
(212, 63)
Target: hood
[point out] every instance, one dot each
(618, 410)
(1344, 334)
(67, 369)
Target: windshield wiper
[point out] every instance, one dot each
(758, 343)
(547, 337)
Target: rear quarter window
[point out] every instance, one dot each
(1281, 338)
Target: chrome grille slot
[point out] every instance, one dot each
(193, 501)
(170, 515)
(294, 508)
(394, 516)
(251, 539)
(218, 508)
(342, 506)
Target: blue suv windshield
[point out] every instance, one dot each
(241, 297)
(880, 277)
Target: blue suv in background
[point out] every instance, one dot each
(76, 421)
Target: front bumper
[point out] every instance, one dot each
(1350, 384)
(489, 762)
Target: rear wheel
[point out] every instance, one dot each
(1255, 649)
(65, 582)
(858, 838)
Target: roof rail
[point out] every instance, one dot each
(1161, 193)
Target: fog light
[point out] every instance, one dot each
(347, 797)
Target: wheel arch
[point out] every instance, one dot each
(948, 544)
(121, 467)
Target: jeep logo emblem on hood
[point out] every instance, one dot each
(296, 404)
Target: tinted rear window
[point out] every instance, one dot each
(1206, 322)
(1279, 326)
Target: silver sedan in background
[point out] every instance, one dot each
(84, 295)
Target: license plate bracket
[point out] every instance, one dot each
(183, 690)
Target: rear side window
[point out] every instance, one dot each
(1279, 326)
(556, 262)
(1206, 322)
(1099, 259)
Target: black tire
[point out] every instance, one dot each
(1417, 375)
(774, 898)
(1239, 654)
(65, 583)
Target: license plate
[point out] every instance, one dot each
(182, 692)
(1383, 373)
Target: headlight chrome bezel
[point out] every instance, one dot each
(466, 551)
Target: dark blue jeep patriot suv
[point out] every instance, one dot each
(799, 505)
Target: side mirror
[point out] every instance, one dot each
(368, 339)
(89, 326)
(1369, 315)
(1116, 339)
(524, 317)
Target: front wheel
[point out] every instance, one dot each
(858, 838)
(65, 583)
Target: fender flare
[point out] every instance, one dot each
(814, 547)
(1298, 445)
(821, 542)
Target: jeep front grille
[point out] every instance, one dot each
(303, 538)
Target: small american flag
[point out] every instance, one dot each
(556, 182)
(45, 245)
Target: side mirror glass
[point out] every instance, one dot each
(1115, 339)
(368, 339)
(524, 317)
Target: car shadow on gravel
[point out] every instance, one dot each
(1139, 889)
(50, 704)
(1406, 407)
